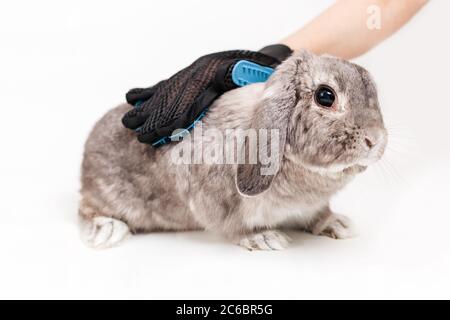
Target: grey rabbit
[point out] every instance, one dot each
(129, 187)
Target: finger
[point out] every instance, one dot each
(142, 94)
(149, 137)
(139, 94)
(205, 100)
(135, 118)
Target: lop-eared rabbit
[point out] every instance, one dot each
(328, 126)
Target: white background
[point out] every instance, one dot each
(64, 63)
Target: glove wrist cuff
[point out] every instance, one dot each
(278, 51)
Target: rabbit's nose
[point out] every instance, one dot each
(373, 137)
(369, 142)
(374, 143)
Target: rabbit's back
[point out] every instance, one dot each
(131, 181)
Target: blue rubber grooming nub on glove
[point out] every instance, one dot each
(247, 72)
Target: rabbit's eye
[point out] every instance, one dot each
(325, 96)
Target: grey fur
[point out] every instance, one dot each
(322, 151)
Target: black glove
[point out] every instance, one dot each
(177, 102)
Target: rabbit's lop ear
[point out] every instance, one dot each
(269, 127)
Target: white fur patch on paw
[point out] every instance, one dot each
(104, 232)
(266, 240)
(335, 226)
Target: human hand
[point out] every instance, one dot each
(177, 102)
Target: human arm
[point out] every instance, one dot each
(342, 30)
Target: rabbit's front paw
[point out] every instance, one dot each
(335, 226)
(265, 240)
(104, 232)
